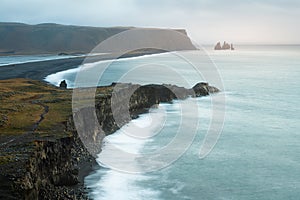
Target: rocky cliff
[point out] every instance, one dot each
(47, 162)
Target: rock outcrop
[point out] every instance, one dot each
(225, 46)
(218, 46)
(63, 84)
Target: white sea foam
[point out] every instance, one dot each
(133, 136)
(56, 78)
(115, 185)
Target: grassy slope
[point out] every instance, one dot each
(22, 104)
(22, 101)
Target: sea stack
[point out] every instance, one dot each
(218, 46)
(225, 46)
(231, 47)
(63, 84)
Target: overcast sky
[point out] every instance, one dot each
(207, 21)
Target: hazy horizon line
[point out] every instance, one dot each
(159, 27)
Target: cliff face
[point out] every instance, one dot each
(50, 170)
(124, 103)
(17, 38)
(48, 165)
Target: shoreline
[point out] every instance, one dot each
(144, 97)
(86, 163)
(41, 69)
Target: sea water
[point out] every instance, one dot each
(258, 153)
(18, 59)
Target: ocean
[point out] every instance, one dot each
(17, 59)
(257, 155)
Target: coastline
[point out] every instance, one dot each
(50, 161)
(28, 186)
(54, 161)
(41, 69)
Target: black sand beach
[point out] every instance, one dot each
(39, 70)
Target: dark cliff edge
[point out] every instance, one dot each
(43, 164)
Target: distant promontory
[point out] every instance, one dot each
(48, 38)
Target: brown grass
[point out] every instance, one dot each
(22, 101)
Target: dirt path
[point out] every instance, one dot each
(42, 116)
(33, 129)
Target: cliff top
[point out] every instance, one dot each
(33, 110)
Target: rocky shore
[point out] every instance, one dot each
(50, 161)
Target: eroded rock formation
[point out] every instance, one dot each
(225, 46)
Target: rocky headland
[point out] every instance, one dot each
(58, 39)
(42, 156)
